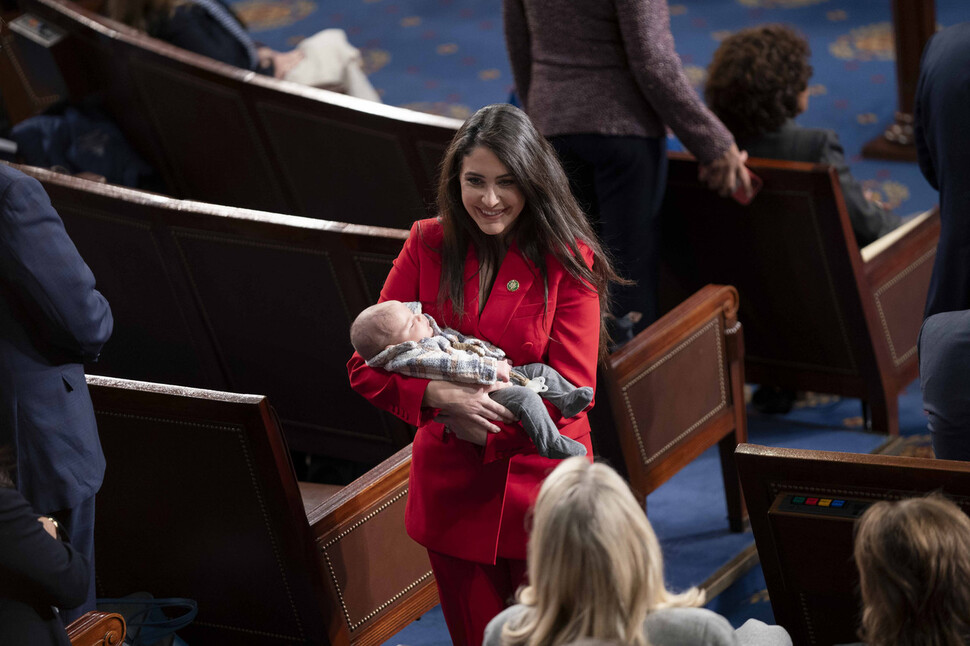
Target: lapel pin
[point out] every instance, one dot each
(512, 285)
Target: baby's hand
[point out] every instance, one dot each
(502, 370)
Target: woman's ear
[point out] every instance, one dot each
(803, 101)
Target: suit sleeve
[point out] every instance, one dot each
(191, 27)
(519, 45)
(921, 121)
(43, 271)
(397, 394)
(40, 568)
(869, 220)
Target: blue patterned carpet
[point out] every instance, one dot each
(697, 543)
(448, 57)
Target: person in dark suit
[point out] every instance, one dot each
(757, 84)
(943, 148)
(51, 319)
(207, 27)
(37, 571)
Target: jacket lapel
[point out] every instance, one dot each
(514, 280)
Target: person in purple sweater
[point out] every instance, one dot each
(602, 81)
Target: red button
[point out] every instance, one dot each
(811, 501)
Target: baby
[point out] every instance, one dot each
(397, 337)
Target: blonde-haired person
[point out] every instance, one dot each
(596, 572)
(914, 569)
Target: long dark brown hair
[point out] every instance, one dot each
(551, 221)
(914, 570)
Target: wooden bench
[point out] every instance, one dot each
(200, 500)
(806, 549)
(819, 313)
(237, 300)
(674, 391)
(97, 629)
(29, 83)
(225, 135)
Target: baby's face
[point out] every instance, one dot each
(403, 325)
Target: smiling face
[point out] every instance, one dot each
(401, 324)
(490, 194)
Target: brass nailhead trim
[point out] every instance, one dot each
(723, 403)
(262, 506)
(882, 316)
(42, 101)
(343, 605)
(807, 617)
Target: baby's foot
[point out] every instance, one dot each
(575, 402)
(562, 448)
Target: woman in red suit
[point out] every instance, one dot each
(510, 259)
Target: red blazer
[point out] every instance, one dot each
(465, 500)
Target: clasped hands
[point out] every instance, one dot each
(466, 409)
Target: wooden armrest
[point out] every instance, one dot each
(898, 272)
(904, 246)
(879, 246)
(379, 579)
(370, 488)
(97, 629)
(314, 495)
(674, 391)
(93, 177)
(699, 308)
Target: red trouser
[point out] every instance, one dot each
(472, 593)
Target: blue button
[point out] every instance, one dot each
(838, 503)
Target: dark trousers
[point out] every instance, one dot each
(620, 182)
(78, 523)
(944, 364)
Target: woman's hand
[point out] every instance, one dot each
(726, 172)
(283, 62)
(873, 197)
(466, 409)
(49, 525)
